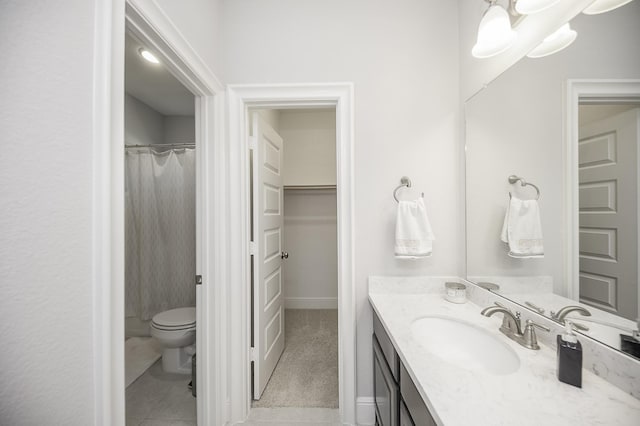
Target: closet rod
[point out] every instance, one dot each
(164, 145)
(309, 187)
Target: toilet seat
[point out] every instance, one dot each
(177, 328)
(175, 319)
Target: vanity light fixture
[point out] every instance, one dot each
(555, 42)
(494, 33)
(527, 7)
(602, 6)
(148, 55)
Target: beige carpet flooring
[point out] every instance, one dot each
(307, 373)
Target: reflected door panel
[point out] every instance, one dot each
(608, 175)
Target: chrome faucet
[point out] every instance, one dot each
(511, 326)
(510, 322)
(563, 312)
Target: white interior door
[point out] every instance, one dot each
(268, 297)
(608, 182)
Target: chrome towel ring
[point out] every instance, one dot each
(405, 182)
(513, 179)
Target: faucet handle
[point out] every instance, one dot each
(530, 338)
(535, 324)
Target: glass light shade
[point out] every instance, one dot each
(602, 6)
(494, 33)
(148, 56)
(527, 7)
(555, 42)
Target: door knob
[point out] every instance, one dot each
(284, 255)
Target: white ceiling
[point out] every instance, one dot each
(153, 84)
(590, 113)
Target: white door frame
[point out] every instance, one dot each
(240, 99)
(149, 24)
(601, 89)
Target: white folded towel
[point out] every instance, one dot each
(413, 231)
(522, 229)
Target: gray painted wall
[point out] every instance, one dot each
(47, 249)
(403, 58)
(143, 125)
(46, 177)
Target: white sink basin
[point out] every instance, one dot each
(465, 345)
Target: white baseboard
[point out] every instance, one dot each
(365, 411)
(311, 303)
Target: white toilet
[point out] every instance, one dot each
(175, 329)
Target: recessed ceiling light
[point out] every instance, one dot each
(148, 55)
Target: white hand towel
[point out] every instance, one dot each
(522, 229)
(413, 231)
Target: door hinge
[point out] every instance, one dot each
(198, 279)
(252, 354)
(252, 248)
(253, 142)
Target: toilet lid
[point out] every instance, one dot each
(180, 317)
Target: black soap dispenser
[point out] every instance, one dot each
(569, 357)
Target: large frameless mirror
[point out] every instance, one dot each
(585, 252)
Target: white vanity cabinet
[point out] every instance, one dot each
(396, 397)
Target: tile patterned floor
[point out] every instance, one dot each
(160, 399)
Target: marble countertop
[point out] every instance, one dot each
(457, 396)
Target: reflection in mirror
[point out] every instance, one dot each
(515, 127)
(608, 205)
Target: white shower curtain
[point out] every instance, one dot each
(160, 241)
